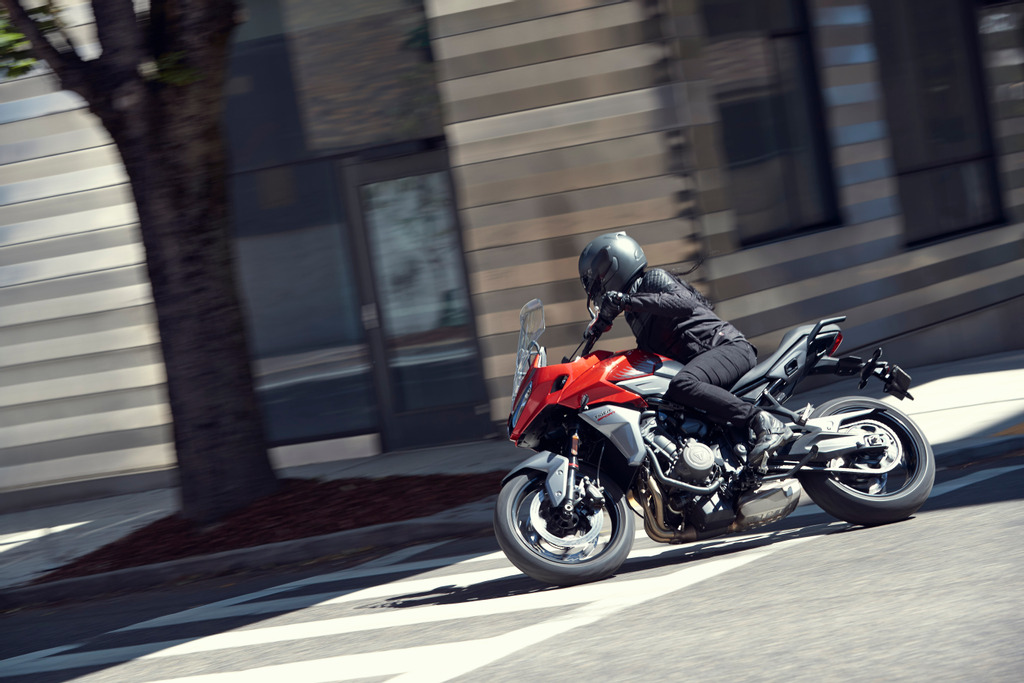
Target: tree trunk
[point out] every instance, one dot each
(158, 87)
(172, 145)
(185, 224)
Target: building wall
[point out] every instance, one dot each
(563, 121)
(81, 377)
(83, 408)
(1001, 29)
(569, 120)
(863, 268)
(561, 126)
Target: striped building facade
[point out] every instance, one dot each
(82, 392)
(567, 120)
(561, 121)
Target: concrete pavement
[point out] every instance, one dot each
(969, 410)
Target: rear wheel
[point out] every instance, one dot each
(558, 546)
(887, 482)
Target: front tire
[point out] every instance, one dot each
(562, 557)
(871, 499)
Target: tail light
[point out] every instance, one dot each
(835, 344)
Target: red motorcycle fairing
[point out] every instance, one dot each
(594, 376)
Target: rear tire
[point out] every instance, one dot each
(516, 519)
(876, 500)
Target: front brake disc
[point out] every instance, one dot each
(540, 525)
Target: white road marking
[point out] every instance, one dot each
(122, 522)
(403, 554)
(204, 612)
(973, 478)
(11, 541)
(937, 490)
(446, 661)
(281, 633)
(39, 654)
(425, 663)
(336, 598)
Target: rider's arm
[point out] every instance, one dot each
(678, 303)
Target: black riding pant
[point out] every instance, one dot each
(705, 381)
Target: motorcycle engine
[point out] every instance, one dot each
(689, 460)
(695, 460)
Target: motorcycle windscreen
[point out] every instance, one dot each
(531, 327)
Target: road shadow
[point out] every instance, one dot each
(282, 593)
(814, 524)
(106, 623)
(663, 557)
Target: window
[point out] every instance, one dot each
(310, 356)
(935, 105)
(760, 60)
(417, 264)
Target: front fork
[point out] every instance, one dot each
(561, 478)
(574, 470)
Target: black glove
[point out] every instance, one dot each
(597, 327)
(613, 303)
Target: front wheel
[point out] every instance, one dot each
(888, 482)
(558, 546)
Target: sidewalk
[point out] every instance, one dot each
(965, 408)
(969, 410)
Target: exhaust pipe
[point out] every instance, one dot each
(769, 503)
(654, 517)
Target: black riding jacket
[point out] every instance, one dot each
(667, 318)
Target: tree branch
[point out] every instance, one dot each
(119, 35)
(68, 66)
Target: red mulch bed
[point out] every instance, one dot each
(302, 508)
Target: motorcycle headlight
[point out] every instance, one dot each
(521, 403)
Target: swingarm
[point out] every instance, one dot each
(821, 443)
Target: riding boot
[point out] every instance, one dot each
(767, 435)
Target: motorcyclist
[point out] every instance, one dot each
(670, 317)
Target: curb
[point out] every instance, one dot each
(469, 518)
(970, 450)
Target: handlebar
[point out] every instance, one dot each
(606, 314)
(587, 345)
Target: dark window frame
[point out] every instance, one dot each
(808, 74)
(987, 154)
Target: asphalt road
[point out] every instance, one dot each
(939, 597)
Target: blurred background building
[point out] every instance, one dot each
(406, 175)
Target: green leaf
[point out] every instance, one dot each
(16, 54)
(173, 69)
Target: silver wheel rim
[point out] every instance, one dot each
(571, 549)
(899, 471)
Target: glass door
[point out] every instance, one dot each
(416, 304)
(311, 357)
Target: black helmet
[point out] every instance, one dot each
(610, 263)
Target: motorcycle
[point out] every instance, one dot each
(610, 445)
